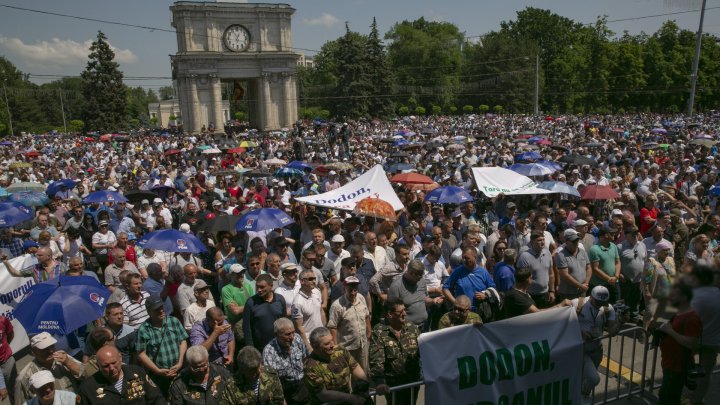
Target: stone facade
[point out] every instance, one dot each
(203, 60)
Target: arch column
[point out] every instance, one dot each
(195, 105)
(218, 118)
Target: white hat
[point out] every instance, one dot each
(281, 184)
(41, 379)
(616, 212)
(143, 202)
(337, 238)
(236, 268)
(42, 340)
(185, 228)
(580, 222)
(332, 172)
(157, 200)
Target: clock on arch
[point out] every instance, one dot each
(236, 38)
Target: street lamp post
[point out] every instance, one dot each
(537, 84)
(7, 105)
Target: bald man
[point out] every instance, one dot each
(46, 268)
(117, 383)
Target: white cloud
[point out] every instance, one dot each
(325, 20)
(58, 52)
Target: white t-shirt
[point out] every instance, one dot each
(195, 313)
(309, 309)
(288, 293)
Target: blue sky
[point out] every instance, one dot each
(52, 45)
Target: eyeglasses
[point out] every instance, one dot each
(199, 367)
(460, 309)
(310, 278)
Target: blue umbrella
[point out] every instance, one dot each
(30, 198)
(659, 131)
(298, 164)
(528, 156)
(535, 139)
(401, 142)
(531, 169)
(715, 190)
(6, 143)
(288, 172)
(102, 196)
(3, 192)
(62, 305)
(56, 185)
(172, 240)
(263, 219)
(12, 213)
(399, 167)
(559, 187)
(549, 163)
(448, 195)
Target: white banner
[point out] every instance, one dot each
(492, 181)
(12, 291)
(535, 358)
(373, 183)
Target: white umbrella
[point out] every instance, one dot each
(211, 151)
(275, 162)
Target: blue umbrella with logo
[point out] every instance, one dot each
(528, 156)
(288, 172)
(30, 198)
(448, 195)
(172, 240)
(62, 305)
(298, 164)
(263, 219)
(12, 213)
(102, 196)
(58, 185)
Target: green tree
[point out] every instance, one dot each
(353, 88)
(166, 93)
(483, 108)
(403, 110)
(103, 88)
(420, 110)
(380, 105)
(436, 110)
(468, 109)
(76, 126)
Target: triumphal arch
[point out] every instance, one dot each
(246, 44)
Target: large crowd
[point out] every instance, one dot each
(329, 308)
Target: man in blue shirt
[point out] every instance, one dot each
(468, 279)
(504, 271)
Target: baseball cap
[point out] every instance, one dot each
(662, 245)
(236, 269)
(143, 202)
(101, 223)
(332, 172)
(510, 205)
(132, 236)
(337, 238)
(29, 244)
(351, 280)
(153, 302)
(288, 267)
(200, 285)
(571, 235)
(216, 202)
(456, 214)
(185, 228)
(281, 184)
(675, 212)
(42, 340)
(580, 222)
(157, 201)
(41, 379)
(616, 212)
(601, 294)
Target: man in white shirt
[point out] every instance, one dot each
(289, 284)
(198, 309)
(306, 310)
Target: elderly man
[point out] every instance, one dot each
(42, 384)
(539, 260)
(286, 354)
(394, 354)
(65, 369)
(186, 292)
(161, 344)
(411, 290)
(349, 321)
(112, 271)
(573, 267)
(201, 381)
(633, 257)
(289, 284)
(117, 383)
(133, 303)
(337, 251)
(10, 243)
(234, 297)
(261, 312)
(460, 314)
(253, 383)
(330, 371)
(43, 225)
(215, 334)
(76, 267)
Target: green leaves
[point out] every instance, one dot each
(103, 89)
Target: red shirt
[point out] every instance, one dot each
(675, 356)
(5, 329)
(645, 213)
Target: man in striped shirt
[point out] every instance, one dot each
(133, 303)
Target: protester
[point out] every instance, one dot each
(253, 383)
(460, 314)
(705, 302)
(260, 313)
(43, 385)
(201, 381)
(285, 354)
(215, 334)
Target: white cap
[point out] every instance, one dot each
(616, 212)
(157, 200)
(281, 184)
(41, 379)
(236, 268)
(337, 238)
(42, 340)
(185, 228)
(580, 222)
(332, 172)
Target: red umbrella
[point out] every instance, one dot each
(422, 187)
(411, 178)
(171, 152)
(595, 192)
(549, 118)
(374, 207)
(106, 138)
(89, 139)
(236, 150)
(32, 154)
(544, 142)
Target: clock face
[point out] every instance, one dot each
(236, 38)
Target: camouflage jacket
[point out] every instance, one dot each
(334, 375)
(394, 360)
(447, 321)
(240, 391)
